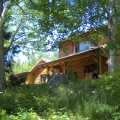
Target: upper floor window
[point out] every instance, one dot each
(83, 46)
(76, 47)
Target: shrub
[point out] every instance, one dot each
(19, 116)
(73, 101)
(13, 80)
(109, 88)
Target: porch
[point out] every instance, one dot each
(86, 65)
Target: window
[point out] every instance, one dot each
(91, 68)
(87, 69)
(83, 46)
(76, 47)
(43, 78)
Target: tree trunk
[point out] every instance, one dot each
(111, 60)
(2, 70)
(111, 14)
(3, 13)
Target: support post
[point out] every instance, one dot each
(30, 78)
(100, 65)
(64, 69)
(47, 73)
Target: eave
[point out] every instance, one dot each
(71, 57)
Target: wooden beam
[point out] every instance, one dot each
(61, 66)
(94, 59)
(64, 69)
(47, 72)
(68, 64)
(30, 78)
(100, 65)
(61, 61)
(78, 57)
(50, 69)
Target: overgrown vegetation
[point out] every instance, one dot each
(15, 81)
(79, 100)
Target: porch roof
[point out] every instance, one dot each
(71, 56)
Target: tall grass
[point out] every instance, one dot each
(76, 101)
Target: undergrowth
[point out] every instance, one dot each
(79, 100)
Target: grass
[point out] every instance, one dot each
(74, 101)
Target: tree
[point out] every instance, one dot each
(26, 30)
(23, 10)
(112, 20)
(9, 52)
(3, 13)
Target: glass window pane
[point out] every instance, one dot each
(83, 46)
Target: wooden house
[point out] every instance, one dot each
(85, 60)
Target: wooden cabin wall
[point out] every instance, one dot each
(104, 65)
(37, 73)
(78, 68)
(35, 77)
(30, 78)
(69, 45)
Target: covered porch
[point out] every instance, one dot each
(86, 65)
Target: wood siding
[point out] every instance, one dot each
(69, 45)
(77, 65)
(37, 73)
(30, 78)
(104, 65)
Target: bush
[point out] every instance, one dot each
(73, 101)
(19, 116)
(109, 88)
(13, 80)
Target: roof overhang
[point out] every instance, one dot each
(22, 73)
(71, 57)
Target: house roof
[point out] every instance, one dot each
(22, 73)
(70, 56)
(42, 60)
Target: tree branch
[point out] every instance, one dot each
(20, 8)
(13, 37)
(99, 47)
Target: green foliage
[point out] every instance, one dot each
(14, 81)
(73, 76)
(110, 87)
(32, 59)
(80, 100)
(24, 98)
(20, 116)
